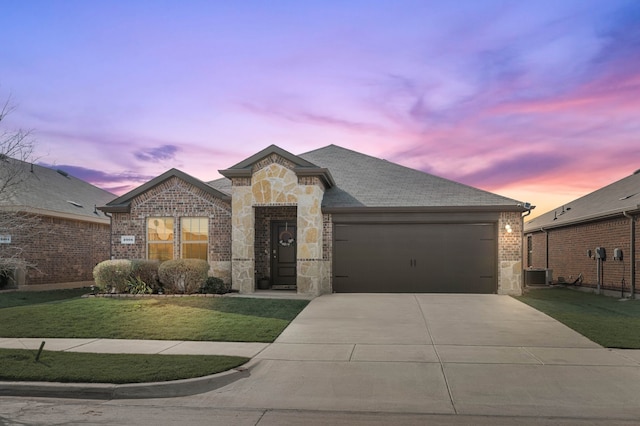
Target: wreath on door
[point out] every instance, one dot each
(285, 238)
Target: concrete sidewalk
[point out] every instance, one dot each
(121, 346)
(130, 391)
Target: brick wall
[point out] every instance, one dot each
(537, 258)
(173, 198)
(63, 250)
(510, 243)
(271, 159)
(568, 252)
(327, 237)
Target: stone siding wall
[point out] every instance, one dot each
(274, 185)
(311, 270)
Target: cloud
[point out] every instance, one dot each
(100, 178)
(119, 189)
(154, 155)
(303, 116)
(520, 168)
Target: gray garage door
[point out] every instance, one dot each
(415, 258)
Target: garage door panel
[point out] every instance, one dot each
(368, 258)
(451, 258)
(364, 269)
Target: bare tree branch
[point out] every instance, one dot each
(16, 152)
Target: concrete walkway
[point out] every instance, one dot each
(435, 354)
(121, 346)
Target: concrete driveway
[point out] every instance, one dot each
(435, 353)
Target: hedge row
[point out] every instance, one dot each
(179, 276)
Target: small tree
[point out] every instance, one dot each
(16, 224)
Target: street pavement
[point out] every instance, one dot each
(390, 359)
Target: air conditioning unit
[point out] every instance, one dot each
(538, 276)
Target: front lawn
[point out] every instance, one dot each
(604, 320)
(69, 367)
(169, 318)
(23, 298)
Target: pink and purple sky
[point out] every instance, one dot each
(535, 100)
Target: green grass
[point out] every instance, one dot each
(70, 367)
(179, 318)
(604, 320)
(22, 298)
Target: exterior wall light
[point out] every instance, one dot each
(508, 228)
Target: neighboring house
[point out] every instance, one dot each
(566, 240)
(65, 235)
(330, 220)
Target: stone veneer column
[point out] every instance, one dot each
(312, 275)
(242, 239)
(276, 185)
(510, 254)
(221, 269)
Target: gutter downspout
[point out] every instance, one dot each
(528, 211)
(110, 234)
(546, 248)
(632, 252)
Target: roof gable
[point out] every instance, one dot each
(611, 200)
(272, 149)
(301, 167)
(123, 203)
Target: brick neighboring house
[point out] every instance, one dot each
(564, 240)
(69, 236)
(330, 220)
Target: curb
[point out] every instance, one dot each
(107, 391)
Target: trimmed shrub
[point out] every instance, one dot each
(183, 275)
(112, 276)
(215, 285)
(145, 271)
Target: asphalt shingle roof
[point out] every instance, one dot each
(48, 190)
(223, 185)
(365, 181)
(611, 200)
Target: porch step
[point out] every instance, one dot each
(284, 287)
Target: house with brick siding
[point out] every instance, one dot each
(65, 234)
(589, 242)
(329, 220)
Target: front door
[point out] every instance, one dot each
(283, 254)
